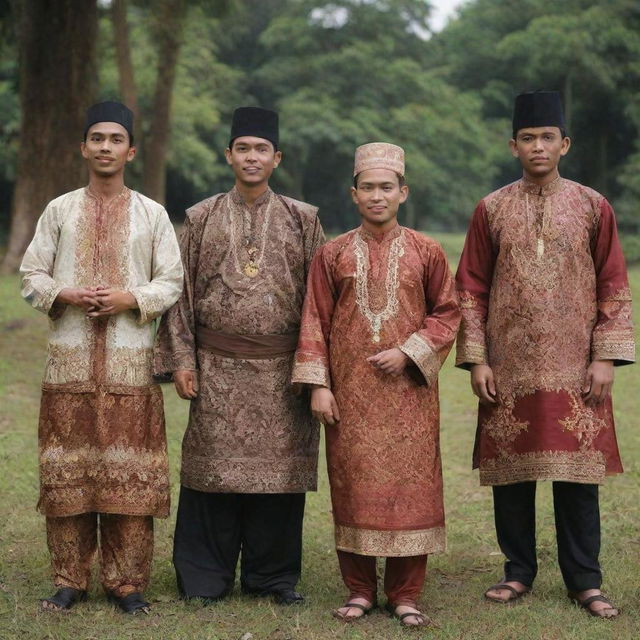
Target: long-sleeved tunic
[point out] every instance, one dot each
(245, 274)
(366, 294)
(101, 435)
(544, 292)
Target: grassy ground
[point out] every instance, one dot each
(456, 579)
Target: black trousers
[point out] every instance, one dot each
(212, 529)
(577, 516)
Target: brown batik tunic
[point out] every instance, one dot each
(248, 432)
(101, 435)
(366, 294)
(544, 292)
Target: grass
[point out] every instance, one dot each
(455, 581)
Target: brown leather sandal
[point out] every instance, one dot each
(422, 619)
(515, 594)
(596, 613)
(353, 605)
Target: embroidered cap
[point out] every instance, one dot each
(379, 155)
(110, 111)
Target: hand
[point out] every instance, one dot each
(324, 406)
(112, 302)
(186, 381)
(391, 361)
(483, 384)
(598, 382)
(82, 297)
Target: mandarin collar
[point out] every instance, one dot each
(263, 198)
(99, 198)
(546, 190)
(383, 236)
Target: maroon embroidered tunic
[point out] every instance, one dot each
(366, 294)
(544, 292)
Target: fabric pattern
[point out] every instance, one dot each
(544, 292)
(248, 431)
(126, 550)
(368, 293)
(101, 435)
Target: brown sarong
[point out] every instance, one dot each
(249, 347)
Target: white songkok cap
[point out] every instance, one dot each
(379, 155)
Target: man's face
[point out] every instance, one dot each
(539, 149)
(106, 148)
(379, 195)
(252, 159)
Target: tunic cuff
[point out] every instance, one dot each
(423, 356)
(469, 354)
(311, 373)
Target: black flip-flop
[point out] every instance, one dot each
(133, 603)
(64, 598)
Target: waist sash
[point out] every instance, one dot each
(250, 347)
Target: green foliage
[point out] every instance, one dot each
(347, 72)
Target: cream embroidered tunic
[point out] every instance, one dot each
(102, 441)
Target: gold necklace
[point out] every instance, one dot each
(252, 267)
(396, 251)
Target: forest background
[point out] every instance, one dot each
(340, 73)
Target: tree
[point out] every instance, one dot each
(56, 42)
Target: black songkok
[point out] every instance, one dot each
(538, 109)
(110, 112)
(253, 121)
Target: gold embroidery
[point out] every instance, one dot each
(503, 428)
(361, 251)
(371, 542)
(311, 373)
(66, 364)
(564, 466)
(582, 423)
(424, 356)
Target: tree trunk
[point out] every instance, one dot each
(56, 43)
(170, 24)
(126, 77)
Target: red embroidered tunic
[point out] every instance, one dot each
(367, 294)
(544, 292)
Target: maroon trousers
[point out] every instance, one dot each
(403, 577)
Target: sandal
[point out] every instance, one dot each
(353, 605)
(515, 594)
(423, 620)
(133, 603)
(597, 613)
(63, 599)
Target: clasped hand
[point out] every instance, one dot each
(98, 301)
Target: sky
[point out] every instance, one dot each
(442, 10)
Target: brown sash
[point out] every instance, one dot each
(250, 347)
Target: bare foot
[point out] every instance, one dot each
(498, 594)
(598, 608)
(350, 613)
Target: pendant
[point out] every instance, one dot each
(376, 337)
(540, 248)
(250, 269)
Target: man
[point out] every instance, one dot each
(546, 316)
(250, 449)
(379, 319)
(104, 262)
